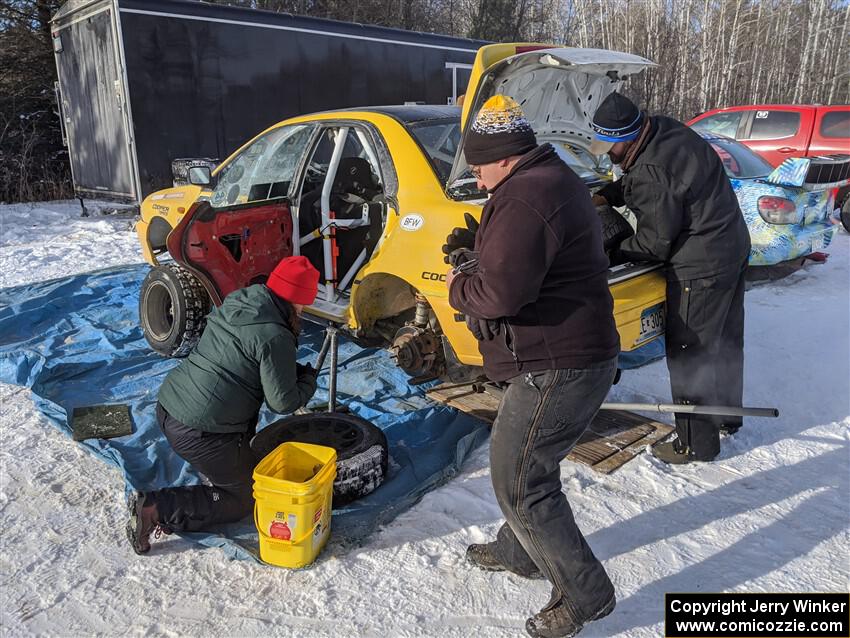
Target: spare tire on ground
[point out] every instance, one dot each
(361, 448)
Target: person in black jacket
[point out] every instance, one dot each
(687, 217)
(207, 407)
(540, 305)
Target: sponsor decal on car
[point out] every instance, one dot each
(412, 222)
(434, 276)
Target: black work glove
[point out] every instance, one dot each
(460, 256)
(306, 378)
(482, 329)
(305, 369)
(461, 237)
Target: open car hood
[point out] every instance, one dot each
(558, 90)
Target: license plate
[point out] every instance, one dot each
(651, 323)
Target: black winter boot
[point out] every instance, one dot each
(484, 557)
(556, 620)
(143, 521)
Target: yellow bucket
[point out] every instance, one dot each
(293, 488)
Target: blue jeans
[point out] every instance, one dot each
(541, 417)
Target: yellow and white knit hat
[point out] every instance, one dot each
(499, 131)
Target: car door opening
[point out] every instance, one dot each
(340, 212)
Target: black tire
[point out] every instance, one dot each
(173, 307)
(845, 213)
(361, 448)
(615, 228)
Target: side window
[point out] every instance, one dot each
(771, 125)
(720, 124)
(835, 124)
(440, 139)
(265, 169)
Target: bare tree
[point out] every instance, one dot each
(710, 53)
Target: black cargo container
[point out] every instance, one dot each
(142, 82)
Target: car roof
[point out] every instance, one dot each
(412, 113)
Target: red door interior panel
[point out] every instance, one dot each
(234, 247)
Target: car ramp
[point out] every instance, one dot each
(614, 438)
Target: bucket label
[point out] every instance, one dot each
(279, 529)
(292, 522)
(317, 515)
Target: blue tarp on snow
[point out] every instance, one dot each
(76, 341)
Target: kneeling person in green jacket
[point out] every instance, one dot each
(208, 405)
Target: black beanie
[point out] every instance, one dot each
(616, 120)
(500, 130)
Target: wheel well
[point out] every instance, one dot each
(381, 296)
(158, 231)
(843, 193)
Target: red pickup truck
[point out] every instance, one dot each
(779, 131)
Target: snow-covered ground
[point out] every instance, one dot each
(772, 514)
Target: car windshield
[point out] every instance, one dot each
(440, 139)
(739, 161)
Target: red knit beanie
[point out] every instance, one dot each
(295, 280)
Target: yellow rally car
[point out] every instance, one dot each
(369, 196)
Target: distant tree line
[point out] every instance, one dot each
(33, 162)
(710, 53)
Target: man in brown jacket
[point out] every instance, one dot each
(540, 294)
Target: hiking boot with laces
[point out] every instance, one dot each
(483, 556)
(556, 620)
(143, 521)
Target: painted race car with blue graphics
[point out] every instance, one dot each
(788, 209)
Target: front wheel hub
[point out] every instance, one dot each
(417, 351)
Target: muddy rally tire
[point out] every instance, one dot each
(361, 448)
(173, 306)
(615, 228)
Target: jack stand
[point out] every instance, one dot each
(331, 343)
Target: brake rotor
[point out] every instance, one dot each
(417, 351)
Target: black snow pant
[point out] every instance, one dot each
(705, 354)
(226, 460)
(540, 419)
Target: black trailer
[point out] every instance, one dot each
(143, 82)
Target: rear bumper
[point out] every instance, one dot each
(791, 242)
(632, 299)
